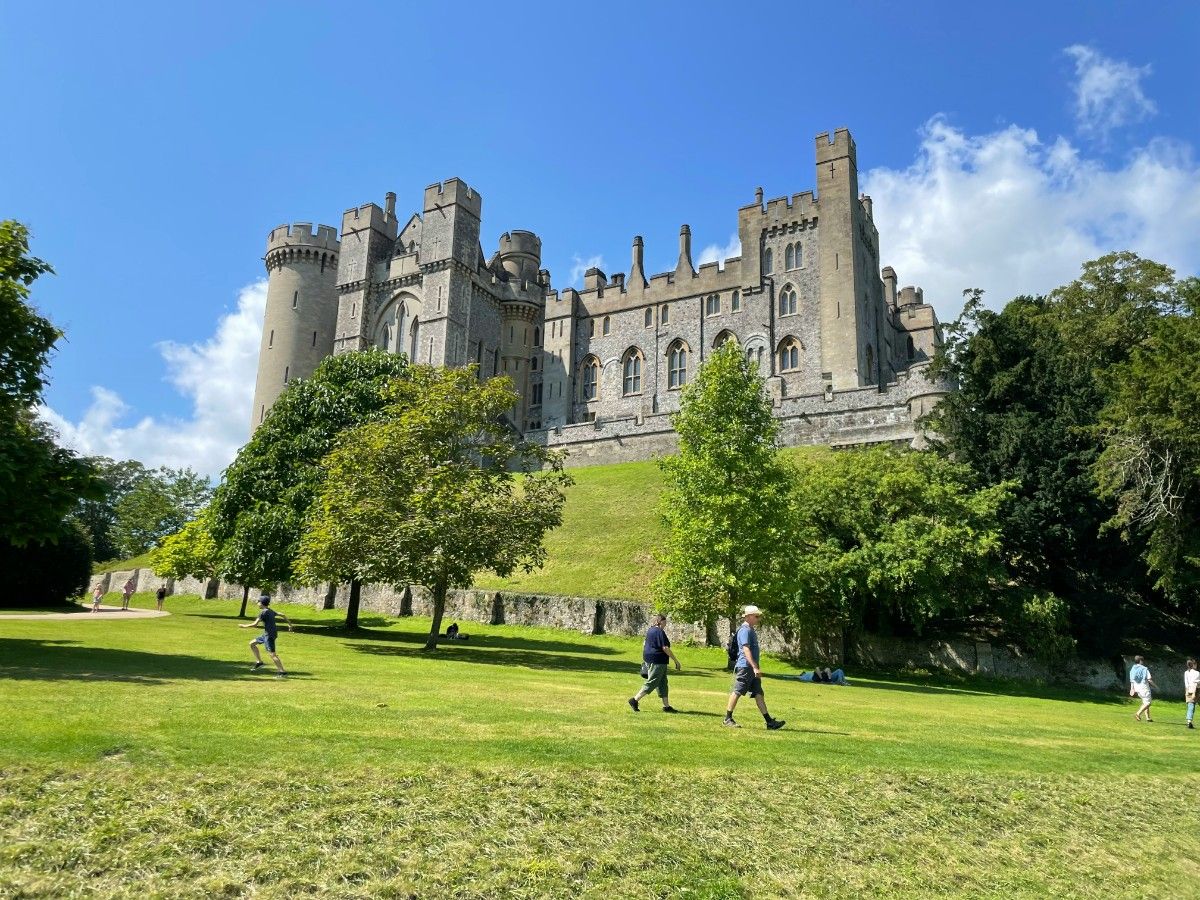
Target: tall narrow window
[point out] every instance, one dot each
(799, 255)
(537, 394)
(537, 337)
(649, 317)
(676, 365)
(712, 304)
(271, 339)
(787, 301)
(590, 378)
(262, 412)
(286, 370)
(789, 257)
(295, 298)
(789, 355)
(607, 325)
(631, 370)
(768, 261)
(533, 363)
(591, 327)
(912, 349)
(664, 315)
(735, 301)
(353, 309)
(314, 339)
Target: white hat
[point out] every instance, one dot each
(751, 611)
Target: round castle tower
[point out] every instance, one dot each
(521, 257)
(301, 315)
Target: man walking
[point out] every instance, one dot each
(126, 593)
(160, 595)
(266, 618)
(747, 676)
(656, 653)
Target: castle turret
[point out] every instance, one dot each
(521, 312)
(301, 314)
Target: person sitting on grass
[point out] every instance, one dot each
(266, 618)
(824, 676)
(454, 634)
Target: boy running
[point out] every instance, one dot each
(266, 618)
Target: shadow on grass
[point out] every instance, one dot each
(473, 652)
(986, 686)
(476, 639)
(60, 660)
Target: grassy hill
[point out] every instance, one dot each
(141, 757)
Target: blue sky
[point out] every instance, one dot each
(151, 147)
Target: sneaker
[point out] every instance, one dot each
(775, 724)
(669, 709)
(281, 674)
(256, 667)
(1190, 725)
(633, 704)
(729, 723)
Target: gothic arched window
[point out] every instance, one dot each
(768, 261)
(589, 378)
(677, 355)
(649, 317)
(787, 301)
(735, 301)
(799, 256)
(789, 354)
(789, 257)
(723, 338)
(631, 372)
(607, 325)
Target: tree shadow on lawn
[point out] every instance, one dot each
(529, 659)
(982, 687)
(60, 660)
(476, 639)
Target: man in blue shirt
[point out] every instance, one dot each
(266, 618)
(656, 653)
(747, 676)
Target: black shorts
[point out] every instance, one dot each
(746, 682)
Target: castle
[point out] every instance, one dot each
(599, 370)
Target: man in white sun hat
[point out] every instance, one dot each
(747, 676)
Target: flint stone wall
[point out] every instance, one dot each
(589, 615)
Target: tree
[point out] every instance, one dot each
(1150, 464)
(886, 538)
(259, 510)
(726, 499)
(189, 553)
(97, 515)
(46, 573)
(426, 493)
(160, 503)
(39, 480)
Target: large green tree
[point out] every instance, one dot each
(40, 482)
(97, 515)
(427, 494)
(726, 499)
(889, 540)
(158, 504)
(259, 509)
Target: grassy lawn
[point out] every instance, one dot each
(142, 758)
(121, 565)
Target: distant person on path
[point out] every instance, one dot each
(1140, 683)
(97, 593)
(160, 595)
(747, 676)
(1191, 681)
(126, 593)
(656, 654)
(266, 618)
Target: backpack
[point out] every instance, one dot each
(731, 649)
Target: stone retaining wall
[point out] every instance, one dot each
(589, 615)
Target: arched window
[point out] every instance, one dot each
(591, 327)
(799, 256)
(664, 316)
(412, 340)
(649, 317)
(723, 338)
(754, 356)
(787, 301)
(712, 304)
(631, 372)
(789, 257)
(768, 261)
(677, 355)
(789, 354)
(537, 337)
(589, 378)
(607, 325)
(735, 301)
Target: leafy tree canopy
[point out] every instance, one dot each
(426, 494)
(160, 503)
(726, 498)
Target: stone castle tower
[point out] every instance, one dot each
(599, 370)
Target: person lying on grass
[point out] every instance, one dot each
(266, 618)
(824, 676)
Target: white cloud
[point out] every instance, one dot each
(217, 376)
(1012, 214)
(579, 267)
(718, 254)
(1108, 92)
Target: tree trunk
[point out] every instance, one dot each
(439, 608)
(711, 637)
(245, 597)
(352, 604)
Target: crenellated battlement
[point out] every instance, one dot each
(840, 147)
(301, 234)
(453, 191)
(368, 216)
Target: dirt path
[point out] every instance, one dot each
(105, 614)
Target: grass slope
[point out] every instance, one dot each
(141, 757)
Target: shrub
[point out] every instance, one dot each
(49, 573)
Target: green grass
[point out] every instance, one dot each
(142, 758)
(122, 565)
(603, 547)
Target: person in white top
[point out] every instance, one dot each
(1140, 683)
(1191, 680)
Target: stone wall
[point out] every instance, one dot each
(588, 615)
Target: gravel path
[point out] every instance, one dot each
(105, 613)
